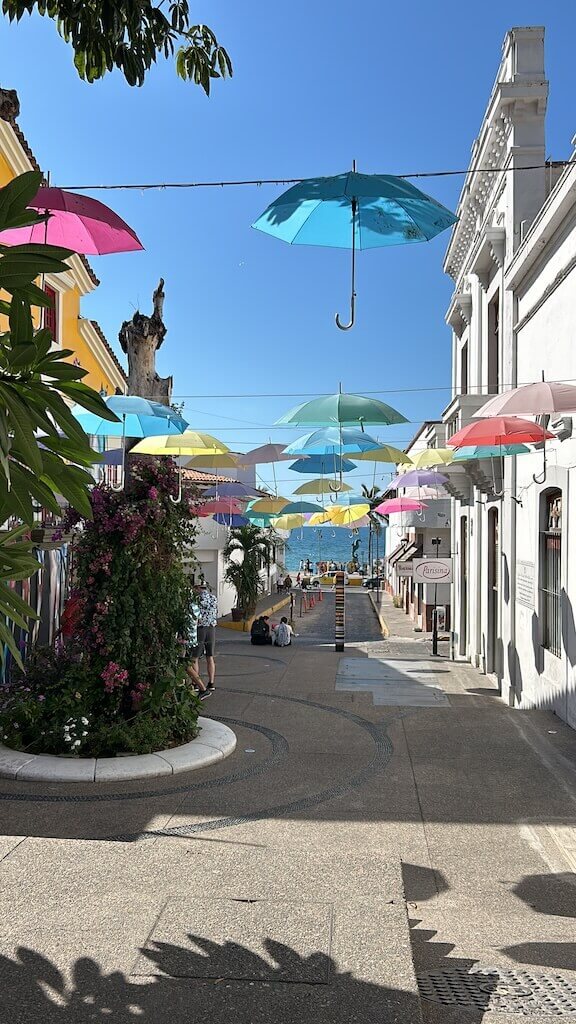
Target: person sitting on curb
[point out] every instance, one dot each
(283, 633)
(260, 632)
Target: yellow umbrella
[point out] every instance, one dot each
(222, 461)
(320, 486)
(345, 516)
(318, 518)
(386, 453)
(269, 506)
(292, 521)
(432, 457)
(191, 442)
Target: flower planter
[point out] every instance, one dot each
(237, 614)
(216, 741)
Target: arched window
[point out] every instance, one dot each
(550, 571)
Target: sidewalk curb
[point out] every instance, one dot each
(383, 624)
(245, 626)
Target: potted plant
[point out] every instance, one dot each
(247, 551)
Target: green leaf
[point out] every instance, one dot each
(7, 640)
(89, 400)
(17, 603)
(23, 426)
(20, 319)
(16, 195)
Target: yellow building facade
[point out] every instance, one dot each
(69, 328)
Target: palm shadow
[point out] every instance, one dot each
(186, 985)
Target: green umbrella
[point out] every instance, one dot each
(344, 409)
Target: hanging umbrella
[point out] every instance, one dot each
(540, 399)
(488, 451)
(417, 478)
(431, 457)
(499, 430)
(348, 410)
(212, 508)
(265, 453)
(323, 464)
(267, 506)
(137, 417)
(346, 516)
(233, 520)
(225, 460)
(318, 518)
(383, 453)
(319, 486)
(357, 211)
(287, 522)
(234, 489)
(190, 442)
(347, 500)
(392, 505)
(75, 222)
(262, 520)
(332, 441)
(300, 507)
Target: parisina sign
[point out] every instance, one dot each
(432, 570)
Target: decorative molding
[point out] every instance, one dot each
(102, 353)
(496, 238)
(464, 302)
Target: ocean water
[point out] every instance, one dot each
(327, 544)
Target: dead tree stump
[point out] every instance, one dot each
(140, 338)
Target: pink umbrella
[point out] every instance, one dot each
(265, 453)
(76, 222)
(538, 399)
(392, 505)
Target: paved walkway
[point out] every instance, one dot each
(348, 845)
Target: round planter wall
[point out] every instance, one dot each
(215, 742)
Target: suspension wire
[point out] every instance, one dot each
(257, 182)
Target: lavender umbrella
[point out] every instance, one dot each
(418, 478)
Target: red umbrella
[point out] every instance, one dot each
(76, 222)
(499, 430)
(221, 505)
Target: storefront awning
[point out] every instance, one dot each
(398, 552)
(412, 549)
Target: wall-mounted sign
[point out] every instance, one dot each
(432, 570)
(525, 572)
(404, 568)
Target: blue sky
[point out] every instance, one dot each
(398, 88)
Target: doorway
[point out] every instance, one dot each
(494, 646)
(463, 631)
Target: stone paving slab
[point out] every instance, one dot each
(393, 682)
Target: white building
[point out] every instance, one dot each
(512, 257)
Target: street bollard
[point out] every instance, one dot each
(339, 612)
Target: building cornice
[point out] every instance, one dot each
(553, 213)
(92, 334)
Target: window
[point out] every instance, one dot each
(550, 571)
(464, 370)
(494, 345)
(51, 313)
(451, 427)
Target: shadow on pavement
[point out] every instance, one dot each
(206, 982)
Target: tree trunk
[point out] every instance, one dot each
(140, 338)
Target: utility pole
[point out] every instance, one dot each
(436, 541)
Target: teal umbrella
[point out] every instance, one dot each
(354, 211)
(299, 507)
(346, 409)
(322, 465)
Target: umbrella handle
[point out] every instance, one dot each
(178, 498)
(540, 479)
(334, 487)
(346, 327)
(120, 486)
(495, 493)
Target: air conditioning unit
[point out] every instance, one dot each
(562, 427)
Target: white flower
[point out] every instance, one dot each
(84, 721)
(76, 743)
(67, 739)
(84, 733)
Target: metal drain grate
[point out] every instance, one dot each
(498, 989)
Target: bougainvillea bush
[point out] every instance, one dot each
(115, 681)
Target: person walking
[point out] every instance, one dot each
(207, 619)
(192, 645)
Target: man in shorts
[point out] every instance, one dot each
(207, 618)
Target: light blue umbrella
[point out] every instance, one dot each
(332, 441)
(137, 417)
(489, 451)
(354, 211)
(322, 465)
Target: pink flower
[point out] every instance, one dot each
(114, 677)
(153, 493)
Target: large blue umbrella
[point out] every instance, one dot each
(357, 211)
(233, 520)
(332, 441)
(322, 465)
(137, 417)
